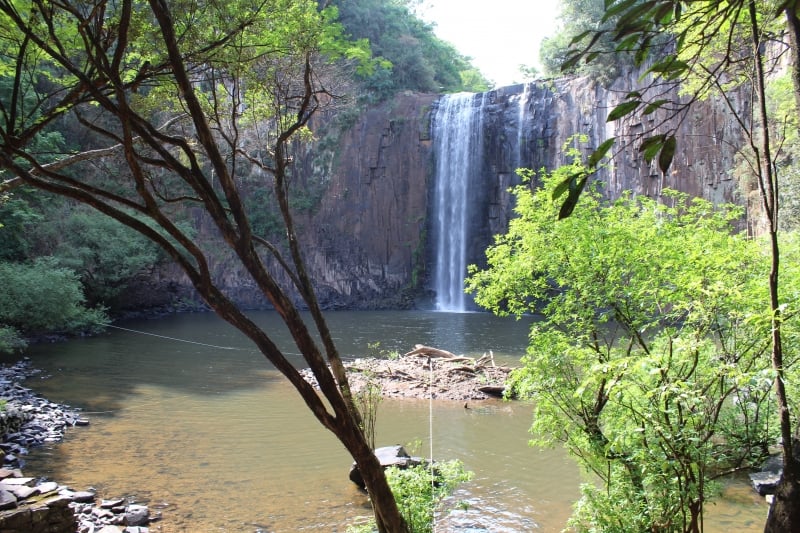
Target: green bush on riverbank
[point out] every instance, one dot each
(418, 490)
(41, 297)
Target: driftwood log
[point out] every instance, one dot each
(427, 351)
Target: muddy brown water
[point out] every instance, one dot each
(216, 440)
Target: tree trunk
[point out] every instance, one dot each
(784, 514)
(387, 515)
(793, 28)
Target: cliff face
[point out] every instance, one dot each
(527, 126)
(366, 242)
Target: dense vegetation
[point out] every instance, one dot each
(96, 259)
(651, 362)
(179, 109)
(646, 357)
(576, 18)
(417, 59)
(668, 351)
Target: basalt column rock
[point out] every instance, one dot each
(528, 126)
(368, 242)
(364, 244)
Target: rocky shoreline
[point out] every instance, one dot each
(31, 505)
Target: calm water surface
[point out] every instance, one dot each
(219, 441)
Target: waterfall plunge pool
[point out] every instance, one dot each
(218, 441)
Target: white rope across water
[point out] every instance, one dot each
(174, 339)
(430, 438)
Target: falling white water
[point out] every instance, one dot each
(522, 138)
(457, 137)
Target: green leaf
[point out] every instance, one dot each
(652, 106)
(571, 62)
(641, 55)
(652, 146)
(572, 199)
(637, 14)
(667, 154)
(612, 11)
(580, 37)
(562, 187)
(664, 13)
(627, 44)
(623, 109)
(670, 67)
(600, 153)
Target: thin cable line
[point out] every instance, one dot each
(173, 338)
(430, 437)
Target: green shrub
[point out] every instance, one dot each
(42, 297)
(10, 340)
(418, 490)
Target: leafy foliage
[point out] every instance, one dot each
(183, 96)
(418, 490)
(652, 336)
(105, 254)
(706, 47)
(578, 18)
(10, 340)
(44, 297)
(415, 59)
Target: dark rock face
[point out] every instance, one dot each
(528, 125)
(364, 243)
(368, 242)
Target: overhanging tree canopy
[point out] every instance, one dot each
(189, 94)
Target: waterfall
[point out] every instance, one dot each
(458, 150)
(522, 113)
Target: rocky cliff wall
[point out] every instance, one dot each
(366, 242)
(364, 245)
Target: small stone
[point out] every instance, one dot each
(111, 529)
(17, 480)
(108, 504)
(22, 492)
(49, 486)
(7, 500)
(102, 513)
(58, 501)
(765, 482)
(136, 515)
(83, 496)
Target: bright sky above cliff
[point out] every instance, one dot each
(499, 35)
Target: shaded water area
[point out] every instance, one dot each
(221, 442)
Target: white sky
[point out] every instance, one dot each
(499, 35)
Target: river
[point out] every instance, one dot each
(204, 430)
